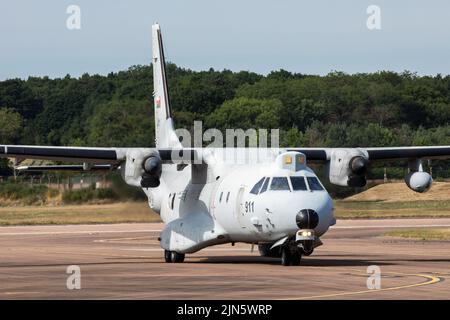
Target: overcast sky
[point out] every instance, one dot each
(313, 37)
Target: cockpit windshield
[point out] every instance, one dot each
(279, 183)
(314, 184)
(255, 189)
(298, 184)
(265, 185)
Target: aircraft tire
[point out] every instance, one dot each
(296, 258)
(168, 255)
(286, 257)
(177, 257)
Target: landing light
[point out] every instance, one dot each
(292, 161)
(301, 159)
(287, 160)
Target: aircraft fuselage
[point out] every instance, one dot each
(242, 203)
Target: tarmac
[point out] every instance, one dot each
(125, 261)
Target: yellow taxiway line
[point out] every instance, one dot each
(431, 280)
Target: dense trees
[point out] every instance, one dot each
(378, 109)
(10, 130)
(10, 125)
(253, 113)
(126, 123)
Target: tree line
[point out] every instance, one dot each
(336, 110)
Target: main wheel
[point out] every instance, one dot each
(177, 257)
(168, 255)
(286, 257)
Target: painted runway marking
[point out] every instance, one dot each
(431, 280)
(122, 239)
(207, 249)
(43, 233)
(392, 226)
(20, 292)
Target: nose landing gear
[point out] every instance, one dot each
(293, 249)
(289, 257)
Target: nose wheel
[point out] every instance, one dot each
(173, 256)
(290, 258)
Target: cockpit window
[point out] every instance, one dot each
(298, 183)
(257, 186)
(264, 187)
(314, 184)
(279, 183)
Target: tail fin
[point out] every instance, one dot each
(164, 129)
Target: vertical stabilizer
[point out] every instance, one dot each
(164, 129)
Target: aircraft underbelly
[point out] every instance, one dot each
(192, 233)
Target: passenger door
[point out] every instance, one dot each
(239, 210)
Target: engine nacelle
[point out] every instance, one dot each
(152, 172)
(348, 167)
(142, 168)
(419, 181)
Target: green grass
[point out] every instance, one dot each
(381, 209)
(120, 212)
(421, 234)
(26, 194)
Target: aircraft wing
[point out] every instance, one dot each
(380, 154)
(400, 153)
(71, 154)
(70, 167)
(140, 166)
(117, 155)
(349, 166)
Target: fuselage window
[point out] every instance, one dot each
(228, 195)
(255, 189)
(265, 185)
(298, 183)
(220, 198)
(279, 183)
(314, 184)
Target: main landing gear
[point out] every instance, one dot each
(173, 256)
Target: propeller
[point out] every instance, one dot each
(359, 165)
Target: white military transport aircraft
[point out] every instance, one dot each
(273, 199)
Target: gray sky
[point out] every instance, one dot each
(258, 35)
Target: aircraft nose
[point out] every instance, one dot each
(315, 213)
